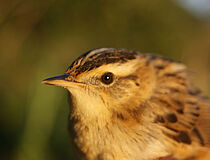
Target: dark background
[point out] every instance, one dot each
(40, 39)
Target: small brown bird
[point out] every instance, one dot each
(133, 106)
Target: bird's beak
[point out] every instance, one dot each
(62, 81)
(57, 80)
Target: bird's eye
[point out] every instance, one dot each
(107, 78)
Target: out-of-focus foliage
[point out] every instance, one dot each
(39, 39)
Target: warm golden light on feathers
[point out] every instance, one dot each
(127, 105)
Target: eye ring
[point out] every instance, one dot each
(107, 78)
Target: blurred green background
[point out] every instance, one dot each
(40, 39)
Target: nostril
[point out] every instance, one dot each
(70, 78)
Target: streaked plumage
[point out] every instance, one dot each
(146, 109)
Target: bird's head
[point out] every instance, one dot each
(104, 81)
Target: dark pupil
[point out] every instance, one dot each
(107, 78)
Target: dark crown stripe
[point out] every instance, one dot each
(98, 57)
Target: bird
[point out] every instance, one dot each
(126, 105)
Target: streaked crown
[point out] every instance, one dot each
(98, 57)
